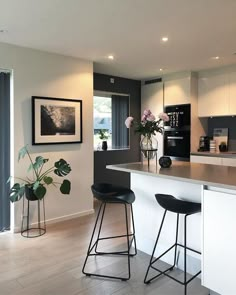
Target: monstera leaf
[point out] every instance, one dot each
(65, 187)
(40, 191)
(22, 152)
(39, 161)
(17, 192)
(62, 168)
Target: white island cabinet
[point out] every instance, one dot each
(212, 231)
(218, 241)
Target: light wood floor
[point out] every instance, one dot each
(52, 264)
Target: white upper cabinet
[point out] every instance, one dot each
(213, 95)
(232, 93)
(177, 91)
(152, 98)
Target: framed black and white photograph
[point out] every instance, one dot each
(56, 120)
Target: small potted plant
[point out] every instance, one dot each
(103, 136)
(223, 146)
(36, 188)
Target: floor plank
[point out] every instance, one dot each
(52, 264)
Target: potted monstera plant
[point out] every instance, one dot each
(34, 187)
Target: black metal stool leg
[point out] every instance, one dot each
(100, 227)
(153, 252)
(91, 240)
(134, 238)
(185, 254)
(176, 239)
(128, 245)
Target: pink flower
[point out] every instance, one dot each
(144, 118)
(164, 117)
(151, 118)
(147, 112)
(128, 122)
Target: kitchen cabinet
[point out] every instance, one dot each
(177, 91)
(206, 160)
(213, 95)
(218, 243)
(152, 98)
(232, 93)
(213, 160)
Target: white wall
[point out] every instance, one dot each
(44, 74)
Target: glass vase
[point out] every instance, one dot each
(148, 145)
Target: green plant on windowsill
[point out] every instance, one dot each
(36, 187)
(103, 134)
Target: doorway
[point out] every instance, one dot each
(5, 86)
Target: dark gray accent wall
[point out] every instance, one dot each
(102, 158)
(224, 122)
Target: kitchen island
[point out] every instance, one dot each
(212, 232)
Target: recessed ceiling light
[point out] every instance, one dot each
(161, 70)
(164, 39)
(110, 56)
(215, 57)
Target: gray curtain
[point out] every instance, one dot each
(4, 150)
(120, 111)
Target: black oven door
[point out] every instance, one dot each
(177, 145)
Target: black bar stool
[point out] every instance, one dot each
(108, 193)
(169, 203)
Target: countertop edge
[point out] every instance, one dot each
(118, 167)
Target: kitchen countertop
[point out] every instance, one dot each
(205, 174)
(229, 154)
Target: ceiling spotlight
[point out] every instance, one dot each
(161, 70)
(164, 39)
(215, 57)
(110, 56)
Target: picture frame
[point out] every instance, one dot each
(56, 120)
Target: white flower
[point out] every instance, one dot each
(128, 122)
(164, 117)
(151, 118)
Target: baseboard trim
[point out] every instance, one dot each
(17, 229)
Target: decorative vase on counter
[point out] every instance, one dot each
(149, 145)
(104, 145)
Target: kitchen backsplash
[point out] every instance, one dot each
(224, 122)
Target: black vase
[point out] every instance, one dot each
(104, 145)
(223, 148)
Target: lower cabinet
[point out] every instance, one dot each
(219, 240)
(206, 160)
(213, 160)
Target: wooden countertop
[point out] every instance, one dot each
(213, 175)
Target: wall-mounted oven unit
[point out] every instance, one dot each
(177, 132)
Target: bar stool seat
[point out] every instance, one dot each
(109, 193)
(172, 204)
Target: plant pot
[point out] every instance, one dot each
(223, 148)
(104, 145)
(29, 194)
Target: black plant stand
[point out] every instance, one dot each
(39, 228)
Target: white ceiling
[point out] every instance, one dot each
(129, 29)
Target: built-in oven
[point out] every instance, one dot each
(177, 144)
(180, 116)
(177, 132)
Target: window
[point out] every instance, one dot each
(110, 112)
